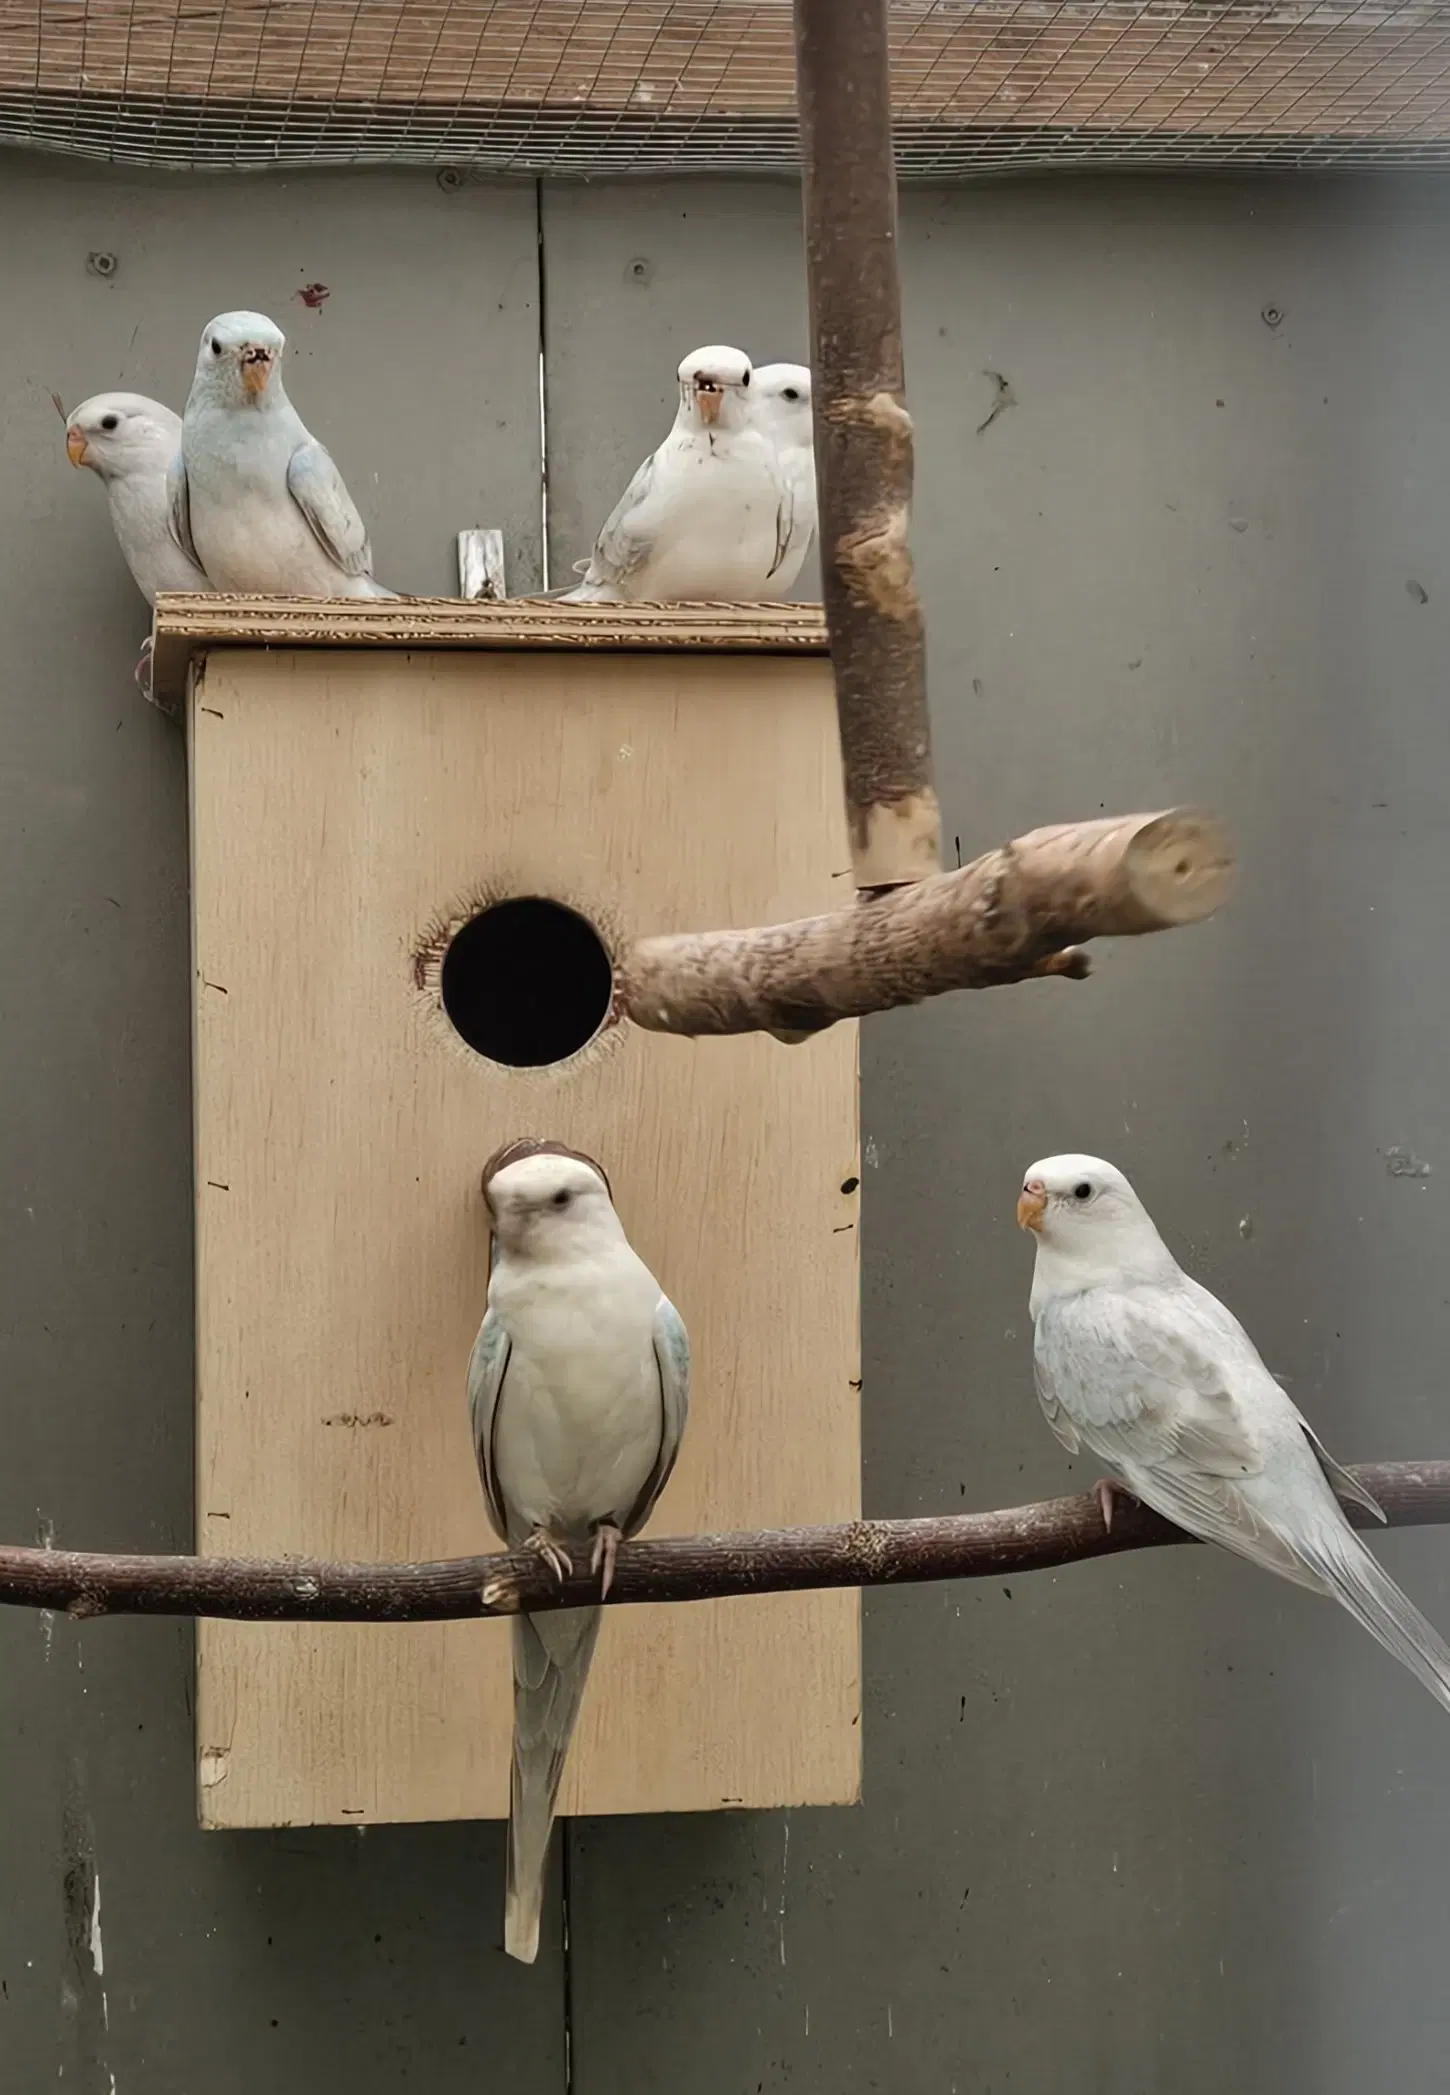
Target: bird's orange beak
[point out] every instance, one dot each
(257, 362)
(75, 447)
(1031, 1204)
(708, 396)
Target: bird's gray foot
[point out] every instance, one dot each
(607, 1539)
(554, 1553)
(1106, 1490)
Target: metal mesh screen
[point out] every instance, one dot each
(614, 87)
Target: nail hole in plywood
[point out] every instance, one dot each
(527, 982)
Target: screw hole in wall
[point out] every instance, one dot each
(527, 982)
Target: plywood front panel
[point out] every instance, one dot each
(347, 808)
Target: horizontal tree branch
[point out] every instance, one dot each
(1019, 911)
(693, 1567)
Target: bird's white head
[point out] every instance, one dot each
(714, 387)
(118, 434)
(545, 1201)
(1090, 1227)
(781, 394)
(240, 359)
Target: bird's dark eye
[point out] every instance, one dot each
(792, 393)
(216, 347)
(1082, 1191)
(562, 1198)
(110, 421)
(746, 379)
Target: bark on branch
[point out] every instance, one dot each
(863, 439)
(694, 1567)
(1020, 911)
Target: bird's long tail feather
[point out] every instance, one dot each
(1359, 1582)
(552, 1654)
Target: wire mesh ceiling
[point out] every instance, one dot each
(618, 87)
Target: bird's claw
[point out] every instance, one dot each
(1105, 1491)
(542, 1544)
(146, 685)
(607, 1539)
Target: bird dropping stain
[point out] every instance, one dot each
(45, 1539)
(77, 1885)
(1005, 398)
(84, 1990)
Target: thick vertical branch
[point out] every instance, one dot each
(863, 439)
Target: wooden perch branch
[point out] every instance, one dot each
(696, 1567)
(863, 439)
(1020, 911)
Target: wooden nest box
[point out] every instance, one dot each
(423, 835)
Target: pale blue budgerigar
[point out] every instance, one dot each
(578, 1391)
(708, 517)
(780, 401)
(255, 499)
(1138, 1363)
(128, 442)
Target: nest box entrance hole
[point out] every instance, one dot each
(527, 982)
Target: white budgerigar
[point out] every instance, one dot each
(129, 442)
(780, 400)
(1138, 1363)
(255, 499)
(578, 1390)
(710, 516)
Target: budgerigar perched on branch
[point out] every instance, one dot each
(578, 1390)
(1137, 1362)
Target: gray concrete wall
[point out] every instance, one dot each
(1149, 1827)
(293, 1962)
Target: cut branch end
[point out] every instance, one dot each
(1020, 912)
(1180, 867)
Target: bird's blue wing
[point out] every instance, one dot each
(486, 1371)
(316, 486)
(1166, 1388)
(784, 526)
(178, 501)
(672, 1357)
(795, 520)
(628, 534)
(1150, 1380)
